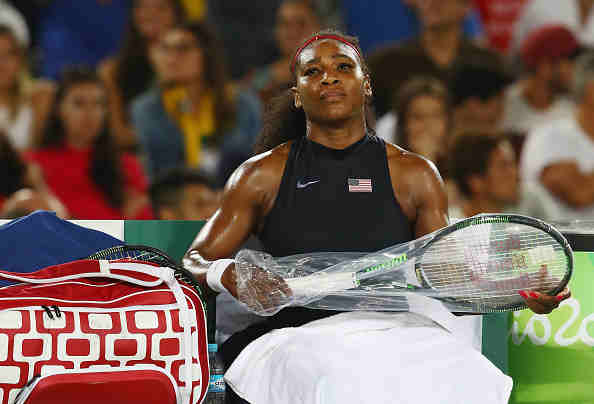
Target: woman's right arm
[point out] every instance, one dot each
(245, 200)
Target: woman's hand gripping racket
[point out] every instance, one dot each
(477, 265)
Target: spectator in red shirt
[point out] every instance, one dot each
(80, 160)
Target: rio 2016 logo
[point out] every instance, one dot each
(555, 329)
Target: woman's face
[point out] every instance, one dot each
(10, 61)
(153, 18)
(82, 112)
(294, 21)
(426, 126)
(331, 84)
(179, 58)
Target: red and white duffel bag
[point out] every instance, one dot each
(99, 331)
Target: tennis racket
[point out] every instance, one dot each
(147, 254)
(475, 265)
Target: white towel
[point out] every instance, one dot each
(367, 357)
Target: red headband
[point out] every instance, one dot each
(317, 38)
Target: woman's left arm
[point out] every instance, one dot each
(431, 214)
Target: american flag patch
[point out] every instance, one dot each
(359, 185)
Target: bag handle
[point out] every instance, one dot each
(137, 273)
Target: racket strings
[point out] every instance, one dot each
(494, 261)
(123, 253)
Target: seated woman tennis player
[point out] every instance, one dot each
(324, 182)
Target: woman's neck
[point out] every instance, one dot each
(339, 137)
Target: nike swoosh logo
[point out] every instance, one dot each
(305, 184)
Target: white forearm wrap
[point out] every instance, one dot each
(215, 273)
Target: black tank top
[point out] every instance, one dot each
(335, 200)
(329, 200)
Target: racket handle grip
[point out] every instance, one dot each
(320, 284)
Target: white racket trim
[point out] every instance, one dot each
(321, 283)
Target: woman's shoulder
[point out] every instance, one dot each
(269, 161)
(257, 180)
(399, 155)
(263, 168)
(407, 164)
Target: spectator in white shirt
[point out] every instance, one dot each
(558, 159)
(541, 96)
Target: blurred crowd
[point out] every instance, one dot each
(142, 109)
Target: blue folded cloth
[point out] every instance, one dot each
(42, 239)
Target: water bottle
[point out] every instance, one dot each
(216, 385)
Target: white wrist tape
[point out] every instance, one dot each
(215, 273)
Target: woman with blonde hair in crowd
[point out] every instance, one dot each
(24, 103)
(131, 72)
(79, 159)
